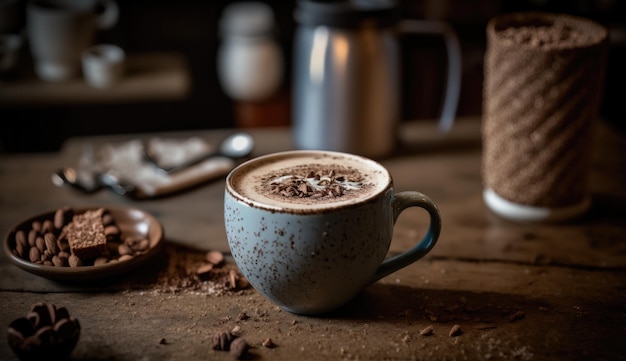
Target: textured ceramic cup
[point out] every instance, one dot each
(544, 75)
(311, 256)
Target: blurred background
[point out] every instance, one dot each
(189, 30)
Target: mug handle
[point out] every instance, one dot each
(109, 15)
(453, 84)
(401, 202)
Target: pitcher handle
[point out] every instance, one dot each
(453, 84)
(109, 14)
(402, 201)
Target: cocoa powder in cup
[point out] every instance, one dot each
(306, 182)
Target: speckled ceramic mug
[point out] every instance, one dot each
(311, 229)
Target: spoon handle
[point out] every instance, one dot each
(149, 156)
(178, 167)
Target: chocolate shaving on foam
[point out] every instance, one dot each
(317, 183)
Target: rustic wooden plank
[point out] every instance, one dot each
(505, 311)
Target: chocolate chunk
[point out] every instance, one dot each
(86, 234)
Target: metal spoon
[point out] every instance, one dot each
(236, 146)
(95, 182)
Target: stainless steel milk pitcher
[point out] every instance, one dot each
(346, 90)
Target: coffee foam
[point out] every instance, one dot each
(254, 180)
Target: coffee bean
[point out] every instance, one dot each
(34, 254)
(100, 261)
(124, 250)
(59, 218)
(45, 313)
(215, 257)
(455, 331)
(45, 335)
(51, 242)
(36, 226)
(47, 226)
(111, 232)
(19, 248)
(65, 328)
(137, 244)
(518, 315)
(427, 331)
(20, 238)
(32, 237)
(40, 243)
(239, 348)
(74, 261)
(232, 276)
(15, 337)
(64, 258)
(33, 317)
(107, 219)
(58, 261)
(221, 341)
(242, 283)
(63, 245)
(125, 257)
(61, 312)
(204, 271)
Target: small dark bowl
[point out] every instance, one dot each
(131, 222)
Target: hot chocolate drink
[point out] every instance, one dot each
(311, 229)
(310, 181)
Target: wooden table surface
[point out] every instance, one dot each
(518, 291)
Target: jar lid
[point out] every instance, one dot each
(347, 13)
(247, 19)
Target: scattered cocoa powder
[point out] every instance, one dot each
(189, 271)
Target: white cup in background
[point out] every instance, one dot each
(59, 30)
(103, 65)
